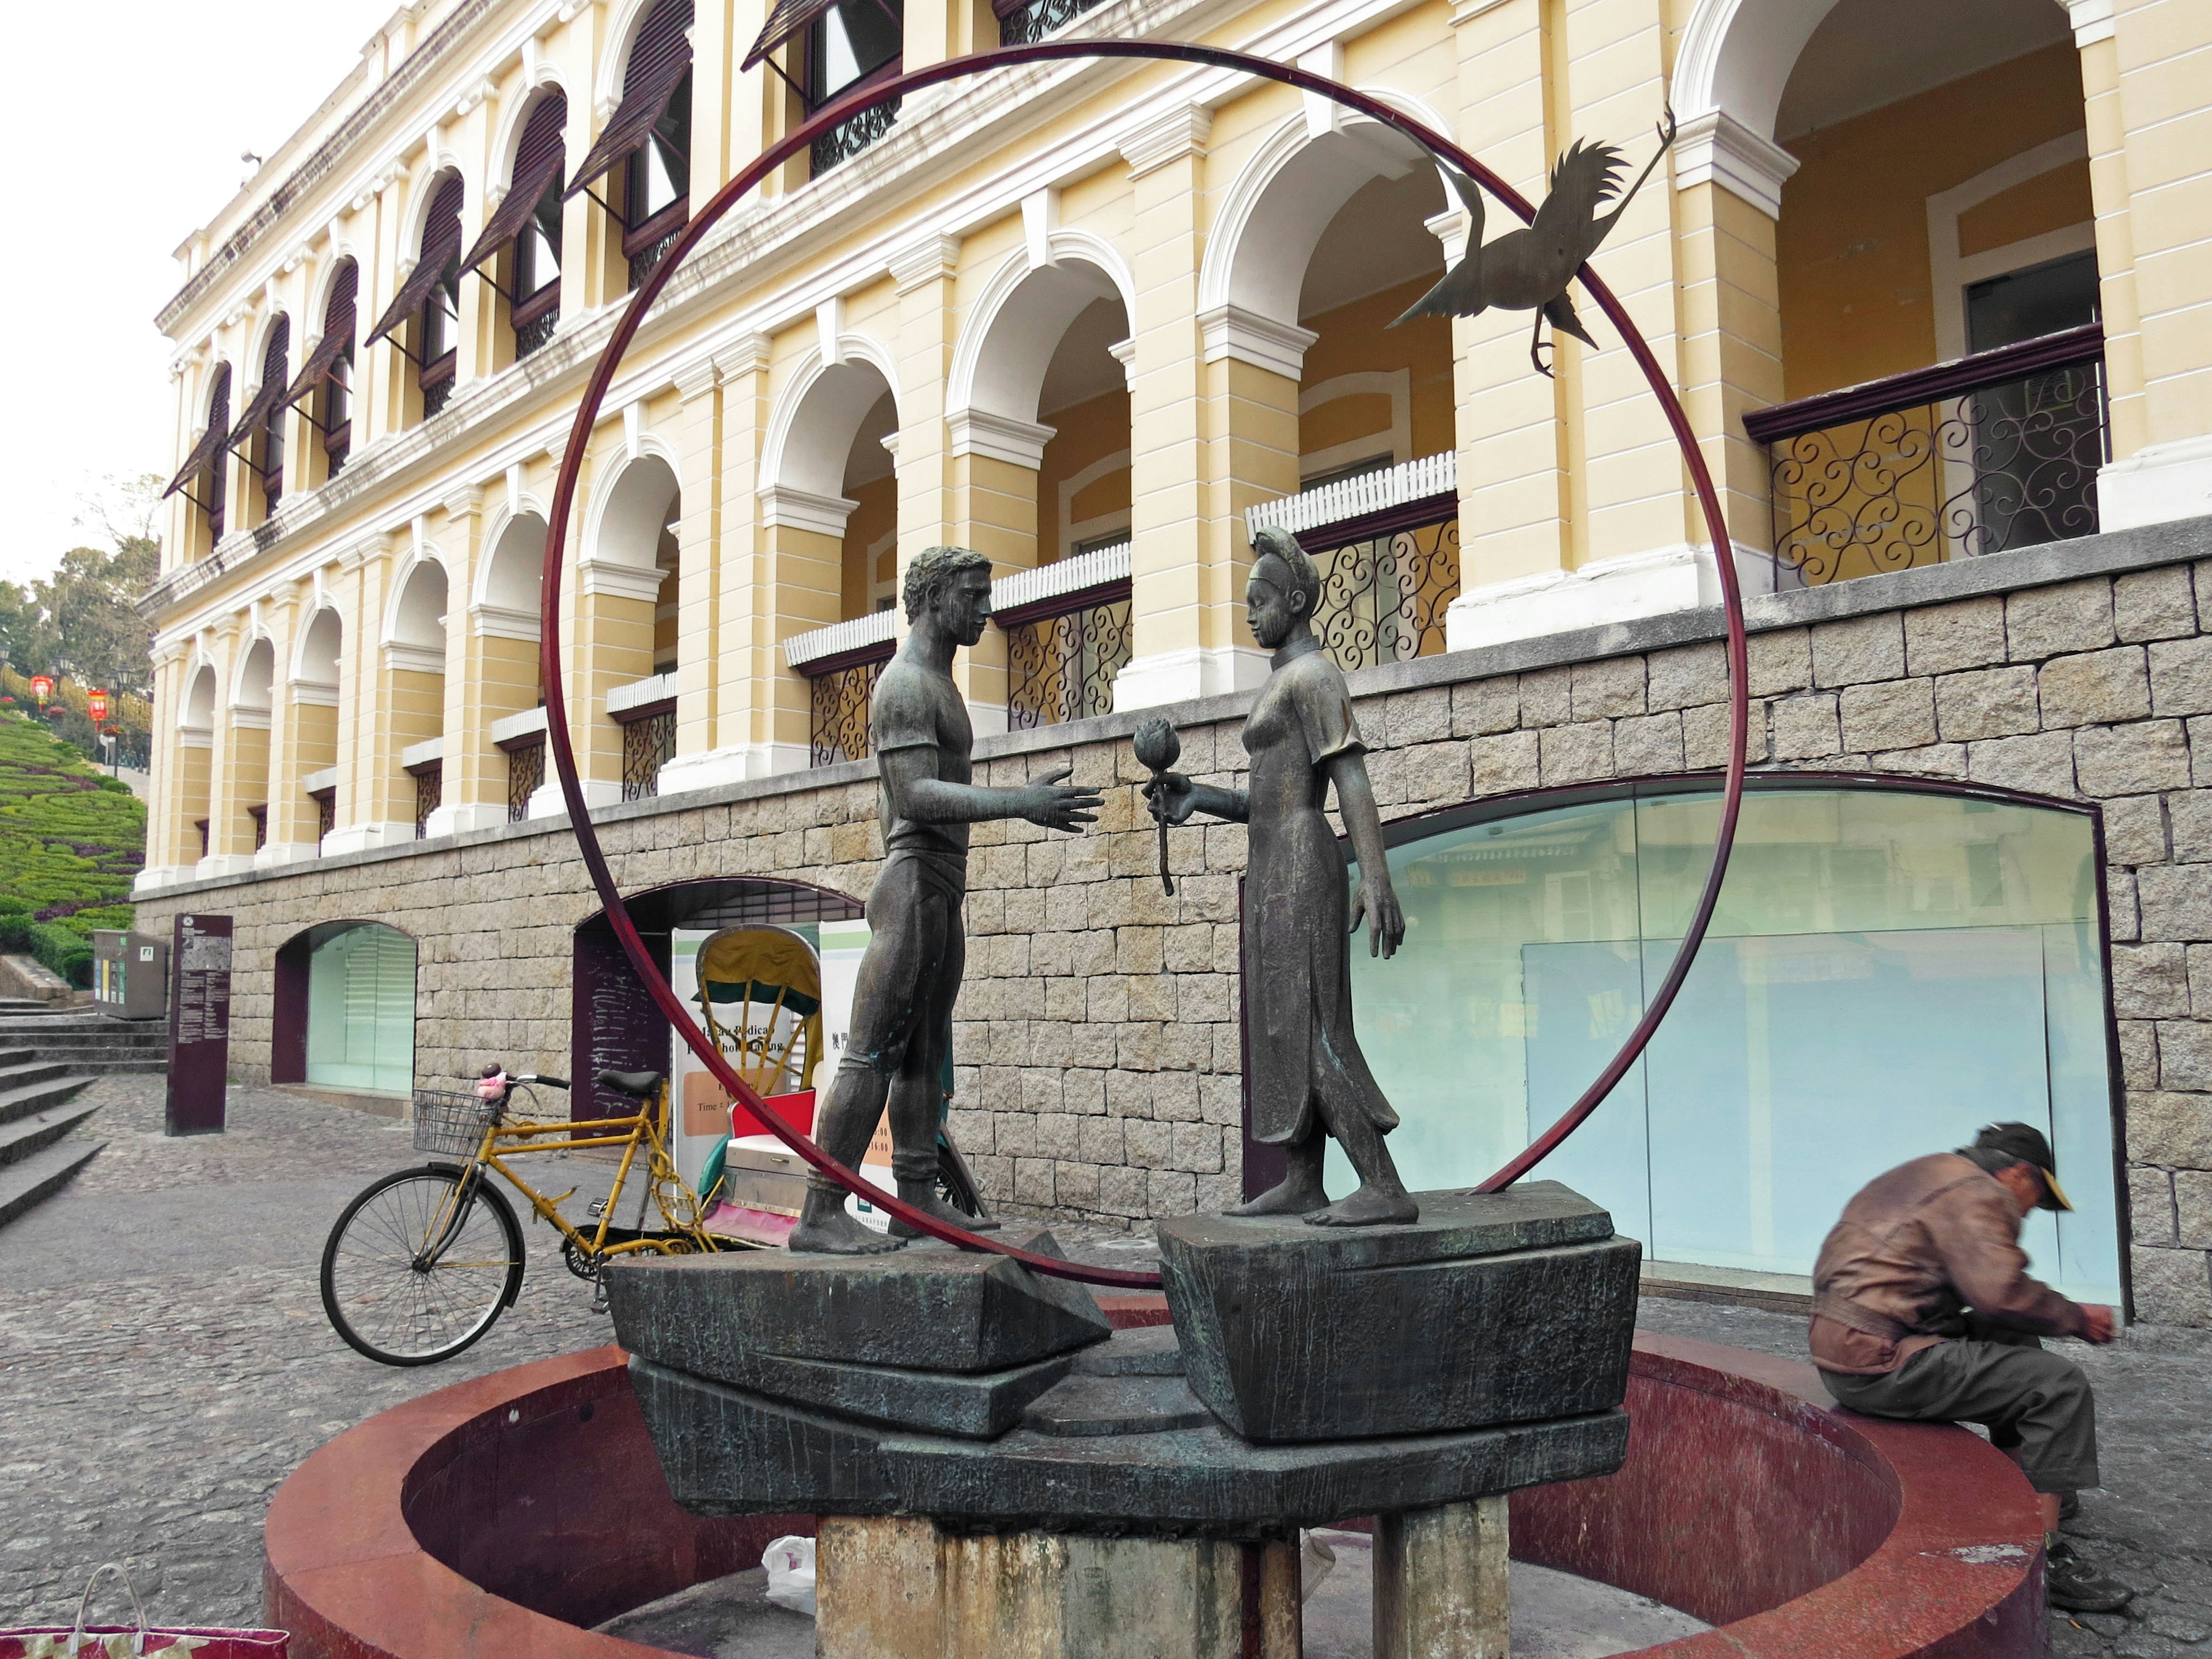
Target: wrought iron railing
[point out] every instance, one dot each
(643, 262)
(1387, 546)
(1023, 24)
(848, 138)
(1068, 629)
(838, 690)
(536, 334)
(1991, 452)
(326, 811)
(526, 774)
(429, 790)
(648, 744)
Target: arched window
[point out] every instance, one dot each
(264, 439)
(327, 375)
(649, 137)
(528, 220)
(201, 476)
(849, 44)
(430, 301)
(345, 1009)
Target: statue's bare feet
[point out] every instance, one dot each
(1293, 1196)
(1370, 1207)
(924, 1198)
(838, 1234)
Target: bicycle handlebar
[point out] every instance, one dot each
(550, 1082)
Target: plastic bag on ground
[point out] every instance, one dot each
(790, 1565)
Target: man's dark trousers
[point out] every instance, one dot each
(2032, 1402)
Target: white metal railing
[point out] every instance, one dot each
(1049, 581)
(621, 699)
(1355, 498)
(875, 629)
(1092, 569)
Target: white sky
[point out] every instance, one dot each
(136, 111)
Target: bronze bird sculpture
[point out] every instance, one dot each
(1528, 269)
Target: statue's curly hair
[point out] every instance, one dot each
(932, 568)
(1283, 547)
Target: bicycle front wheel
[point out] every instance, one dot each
(410, 1277)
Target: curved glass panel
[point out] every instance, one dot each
(1886, 972)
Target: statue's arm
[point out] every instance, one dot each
(1377, 901)
(1174, 798)
(919, 794)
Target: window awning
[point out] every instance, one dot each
(784, 21)
(327, 351)
(209, 446)
(415, 289)
(513, 211)
(269, 397)
(632, 123)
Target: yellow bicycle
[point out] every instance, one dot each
(423, 1261)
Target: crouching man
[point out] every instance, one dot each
(1922, 1309)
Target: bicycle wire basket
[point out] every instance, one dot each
(451, 1123)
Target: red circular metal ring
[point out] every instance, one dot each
(882, 92)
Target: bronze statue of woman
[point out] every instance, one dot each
(1307, 1079)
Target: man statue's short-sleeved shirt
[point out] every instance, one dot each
(916, 708)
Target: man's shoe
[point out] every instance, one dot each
(2072, 1585)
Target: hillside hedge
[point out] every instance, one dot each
(72, 841)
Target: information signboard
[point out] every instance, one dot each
(199, 1024)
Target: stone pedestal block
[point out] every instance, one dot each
(1440, 1582)
(1514, 1306)
(953, 1341)
(899, 1588)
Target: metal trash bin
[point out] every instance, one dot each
(130, 974)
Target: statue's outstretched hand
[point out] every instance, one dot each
(1054, 805)
(1171, 797)
(1376, 903)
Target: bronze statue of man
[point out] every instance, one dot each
(1306, 1077)
(902, 1024)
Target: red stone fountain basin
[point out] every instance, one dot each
(501, 1516)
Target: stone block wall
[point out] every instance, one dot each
(1098, 1036)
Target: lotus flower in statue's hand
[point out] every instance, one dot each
(1159, 749)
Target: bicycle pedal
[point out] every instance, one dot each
(598, 1295)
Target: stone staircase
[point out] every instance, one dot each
(91, 1044)
(38, 1154)
(47, 1054)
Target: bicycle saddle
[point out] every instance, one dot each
(640, 1084)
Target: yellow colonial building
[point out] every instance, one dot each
(1934, 283)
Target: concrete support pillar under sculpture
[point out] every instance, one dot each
(900, 1586)
(1440, 1582)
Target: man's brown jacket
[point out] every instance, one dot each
(1914, 1250)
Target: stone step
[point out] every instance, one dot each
(28, 1135)
(24, 1183)
(20, 1073)
(30, 1099)
(17, 1056)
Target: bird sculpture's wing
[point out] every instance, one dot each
(1559, 312)
(1459, 293)
(1586, 176)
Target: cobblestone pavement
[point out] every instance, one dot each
(165, 1359)
(166, 1363)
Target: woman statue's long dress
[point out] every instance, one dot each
(1306, 1076)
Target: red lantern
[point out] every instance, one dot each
(95, 705)
(42, 687)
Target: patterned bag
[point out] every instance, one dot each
(84, 1641)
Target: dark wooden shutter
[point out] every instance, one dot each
(441, 231)
(337, 310)
(660, 43)
(219, 404)
(542, 141)
(276, 357)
